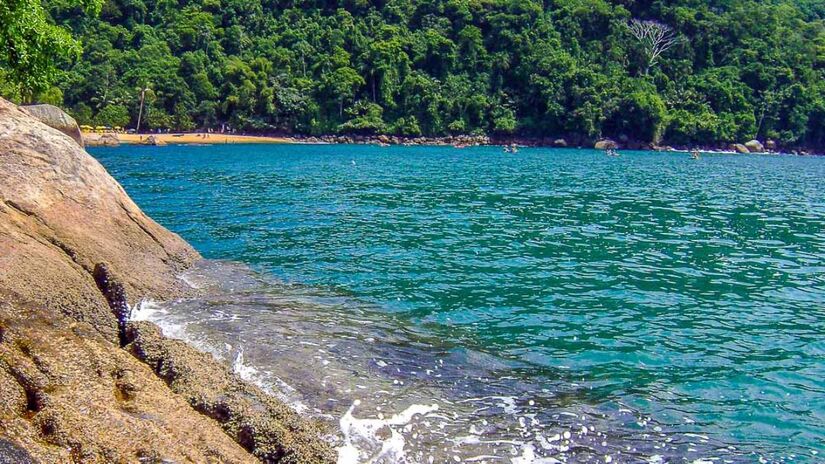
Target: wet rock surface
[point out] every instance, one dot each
(67, 394)
(261, 424)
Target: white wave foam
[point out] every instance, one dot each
(144, 310)
(362, 437)
(190, 282)
(151, 311)
(528, 456)
(244, 371)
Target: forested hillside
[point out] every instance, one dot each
(731, 70)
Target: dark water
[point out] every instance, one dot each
(552, 305)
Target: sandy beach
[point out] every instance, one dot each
(195, 138)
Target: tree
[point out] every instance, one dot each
(641, 115)
(343, 84)
(113, 115)
(366, 117)
(142, 92)
(31, 47)
(655, 38)
(51, 96)
(520, 67)
(82, 113)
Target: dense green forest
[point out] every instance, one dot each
(725, 70)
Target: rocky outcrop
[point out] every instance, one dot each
(262, 425)
(739, 148)
(770, 145)
(606, 144)
(153, 140)
(755, 146)
(67, 394)
(101, 140)
(61, 214)
(75, 252)
(560, 143)
(56, 118)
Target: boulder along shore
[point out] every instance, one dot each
(111, 139)
(81, 383)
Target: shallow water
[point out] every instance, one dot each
(551, 305)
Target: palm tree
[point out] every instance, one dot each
(142, 89)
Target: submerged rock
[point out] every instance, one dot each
(55, 118)
(13, 454)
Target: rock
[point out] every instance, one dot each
(13, 454)
(74, 251)
(755, 146)
(154, 141)
(561, 143)
(61, 214)
(55, 118)
(739, 148)
(83, 399)
(770, 145)
(267, 428)
(606, 144)
(101, 140)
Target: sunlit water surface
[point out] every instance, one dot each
(467, 305)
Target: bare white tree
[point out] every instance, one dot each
(655, 37)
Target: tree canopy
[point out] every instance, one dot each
(32, 47)
(731, 70)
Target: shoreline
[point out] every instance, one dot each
(458, 141)
(197, 139)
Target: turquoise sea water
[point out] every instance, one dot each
(678, 305)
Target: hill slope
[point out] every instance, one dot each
(738, 69)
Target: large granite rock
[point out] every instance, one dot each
(75, 252)
(264, 426)
(739, 148)
(101, 140)
(56, 118)
(69, 395)
(153, 140)
(61, 214)
(606, 144)
(755, 146)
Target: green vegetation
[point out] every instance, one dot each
(733, 69)
(31, 47)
